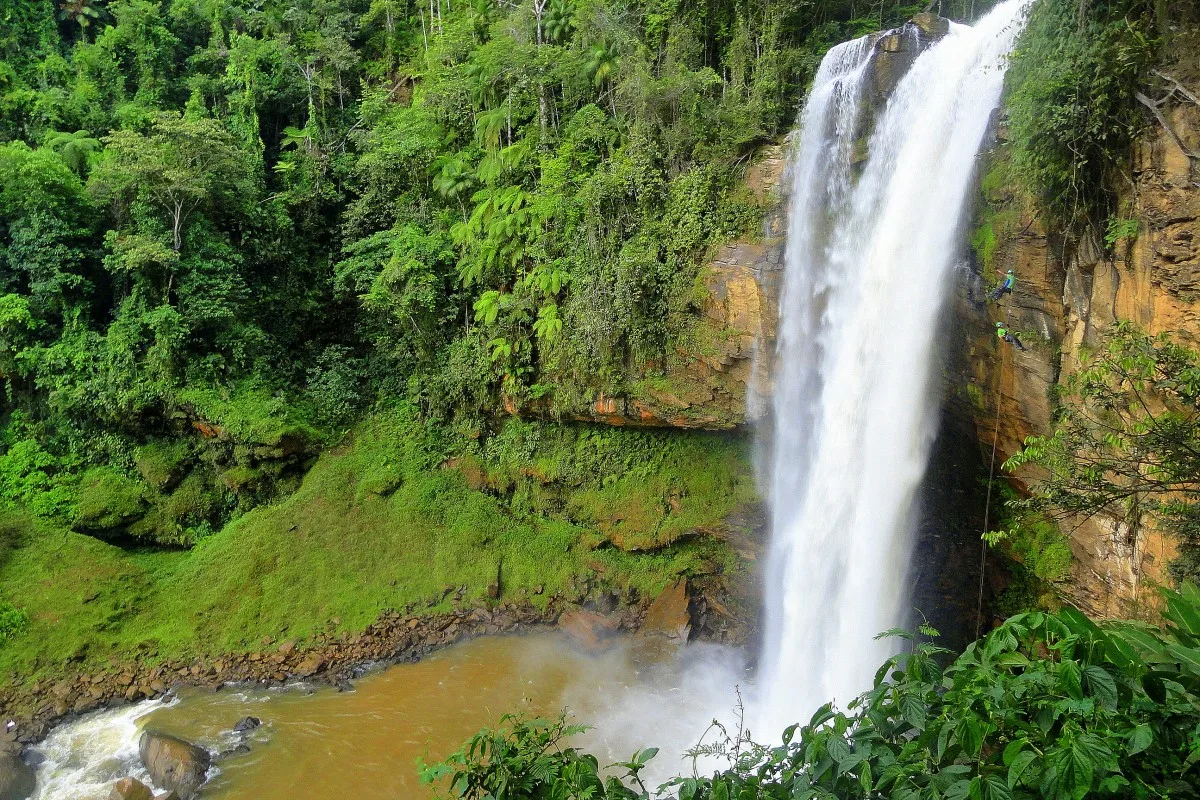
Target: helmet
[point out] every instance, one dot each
(999, 324)
(1010, 272)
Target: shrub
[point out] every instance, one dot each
(12, 621)
(1048, 706)
(1071, 106)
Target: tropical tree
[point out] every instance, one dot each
(181, 166)
(78, 150)
(80, 12)
(1127, 440)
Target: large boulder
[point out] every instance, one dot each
(174, 764)
(17, 779)
(590, 629)
(668, 615)
(130, 789)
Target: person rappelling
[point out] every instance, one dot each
(1006, 286)
(1002, 332)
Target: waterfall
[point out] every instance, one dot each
(871, 251)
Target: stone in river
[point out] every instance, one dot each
(173, 763)
(130, 789)
(247, 724)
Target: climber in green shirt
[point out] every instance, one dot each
(1002, 332)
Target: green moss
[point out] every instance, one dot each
(1039, 550)
(108, 500)
(253, 414)
(975, 395)
(163, 463)
(184, 515)
(341, 547)
(983, 242)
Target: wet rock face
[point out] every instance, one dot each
(1070, 293)
(895, 52)
(17, 780)
(177, 765)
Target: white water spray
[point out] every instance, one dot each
(870, 254)
(83, 759)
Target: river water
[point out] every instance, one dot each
(316, 742)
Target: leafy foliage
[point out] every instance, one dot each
(229, 222)
(12, 621)
(1071, 105)
(525, 758)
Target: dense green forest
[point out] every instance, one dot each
(270, 268)
(228, 229)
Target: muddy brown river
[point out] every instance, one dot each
(321, 743)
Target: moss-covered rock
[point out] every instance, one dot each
(163, 463)
(108, 501)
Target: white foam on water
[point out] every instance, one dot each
(82, 759)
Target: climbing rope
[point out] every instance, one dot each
(987, 505)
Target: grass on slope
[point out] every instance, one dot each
(377, 524)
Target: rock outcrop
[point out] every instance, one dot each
(1070, 292)
(174, 764)
(17, 780)
(591, 630)
(668, 616)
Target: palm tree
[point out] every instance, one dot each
(82, 12)
(76, 149)
(558, 21)
(602, 66)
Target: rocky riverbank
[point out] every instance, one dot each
(695, 609)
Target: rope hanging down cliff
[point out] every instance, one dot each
(1002, 333)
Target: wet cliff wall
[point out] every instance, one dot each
(1070, 292)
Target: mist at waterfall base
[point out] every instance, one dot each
(319, 743)
(870, 256)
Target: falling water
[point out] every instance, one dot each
(871, 248)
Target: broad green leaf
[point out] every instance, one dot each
(912, 708)
(970, 736)
(837, 748)
(1188, 657)
(995, 789)
(1101, 686)
(1139, 739)
(1070, 678)
(1013, 749)
(1018, 766)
